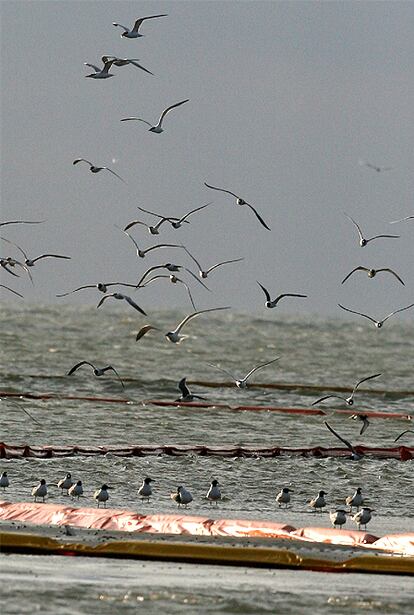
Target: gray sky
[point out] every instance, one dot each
(285, 98)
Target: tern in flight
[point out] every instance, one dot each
(173, 269)
(22, 222)
(175, 222)
(152, 229)
(174, 280)
(363, 163)
(101, 73)
(96, 370)
(372, 273)
(203, 273)
(271, 304)
(240, 201)
(125, 61)
(30, 262)
(158, 127)
(348, 400)
(241, 383)
(134, 33)
(9, 262)
(142, 253)
(95, 169)
(101, 286)
(174, 336)
(377, 323)
(363, 240)
(364, 419)
(355, 456)
(186, 394)
(121, 296)
(402, 219)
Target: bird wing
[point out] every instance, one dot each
(75, 367)
(189, 293)
(164, 113)
(162, 245)
(276, 301)
(346, 442)
(156, 277)
(318, 401)
(396, 311)
(365, 426)
(82, 160)
(404, 432)
(223, 370)
(364, 380)
(76, 289)
(146, 273)
(144, 330)
(266, 292)
(134, 305)
(360, 268)
(183, 387)
(379, 236)
(114, 370)
(393, 273)
(133, 223)
(259, 367)
(16, 246)
(139, 21)
(116, 174)
(258, 216)
(359, 313)
(393, 221)
(95, 68)
(12, 291)
(131, 238)
(193, 211)
(119, 25)
(221, 190)
(356, 225)
(194, 259)
(103, 299)
(235, 260)
(22, 222)
(138, 119)
(146, 211)
(139, 66)
(194, 314)
(197, 278)
(50, 256)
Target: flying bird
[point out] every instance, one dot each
(125, 61)
(374, 167)
(174, 280)
(348, 400)
(101, 73)
(158, 127)
(403, 433)
(173, 268)
(372, 273)
(152, 229)
(402, 219)
(363, 240)
(355, 455)
(271, 304)
(240, 201)
(9, 262)
(95, 169)
(186, 394)
(101, 286)
(11, 290)
(134, 32)
(144, 330)
(22, 222)
(30, 262)
(121, 296)
(364, 419)
(377, 323)
(203, 273)
(96, 370)
(142, 253)
(241, 383)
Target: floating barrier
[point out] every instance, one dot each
(10, 451)
(399, 545)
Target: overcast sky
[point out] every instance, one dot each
(285, 99)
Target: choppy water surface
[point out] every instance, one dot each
(40, 344)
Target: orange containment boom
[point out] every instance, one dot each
(18, 451)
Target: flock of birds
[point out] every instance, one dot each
(182, 497)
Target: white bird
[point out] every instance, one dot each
(186, 394)
(356, 500)
(363, 517)
(76, 490)
(214, 492)
(374, 167)
(101, 73)
(40, 491)
(348, 400)
(174, 280)
(241, 383)
(377, 323)
(94, 169)
(363, 240)
(152, 229)
(125, 61)
(102, 495)
(175, 337)
(203, 273)
(271, 304)
(182, 496)
(4, 481)
(96, 370)
(121, 296)
(319, 502)
(402, 219)
(142, 253)
(158, 127)
(145, 491)
(101, 286)
(66, 483)
(338, 517)
(372, 273)
(134, 32)
(240, 201)
(283, 497)
(9, 262)
(11, 290)
(173, 268)
(30, 262)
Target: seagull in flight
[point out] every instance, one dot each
(121, 296)
(374, 167)
(125, 61)
(158, 127)
(355, 456)
(101, 73)
(30, 262)
(134, 33)
(271, 304)
(204, 273)
(101, 286)
(402, 219)
(11, 290)
(173, 279)
(142, 253)
(175, 222)
(174, 336)
(173, 269)
(240, 201)
(348, 400)
(186, 394)
(241, 383)
(153, 230)
(95, 169)
(377, 323)
(96, 370)
(363, 240)
(364, 419)
(8, 262)
(372, 273)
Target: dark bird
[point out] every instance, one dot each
(134, 32)
(403, 433)
(240, 201)
(214, 492)
(22, 222)
(374, 167)
(96, 370)
(100, 73)
(372, 273)
(121, 296)
(271, 304)
(186, 394)
(364, 419)
(348, 400)
(363, 240)
(145, 491)
(11, 290)
(356, 500)
(182, 496)
(355, 456)
(94, 169)
(377, 323)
